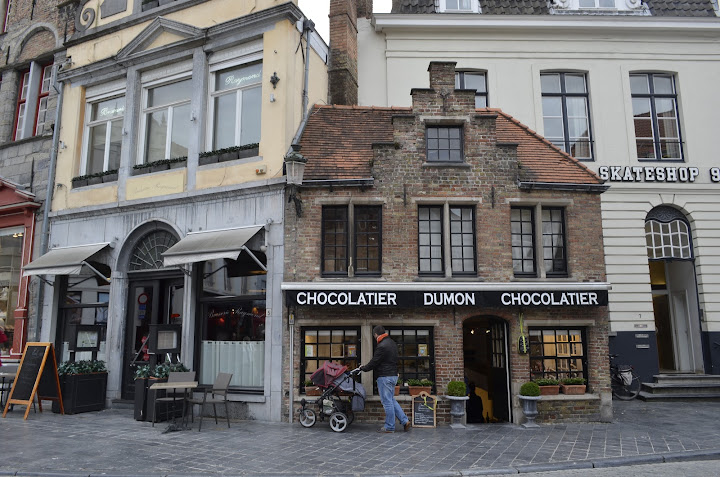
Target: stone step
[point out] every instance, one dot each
(681, 388)
(645, 396)
(711, 379)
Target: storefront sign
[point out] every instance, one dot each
(653, 174)
(429, 299)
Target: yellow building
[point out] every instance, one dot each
(166, 240)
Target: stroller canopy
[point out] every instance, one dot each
(327, 373)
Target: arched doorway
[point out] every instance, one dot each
(674, 290)
(154, 315)
(485, 361)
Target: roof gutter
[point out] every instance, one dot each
(556, 186)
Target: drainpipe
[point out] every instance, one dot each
(45, 232)
(308, 27)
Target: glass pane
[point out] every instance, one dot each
(115, 144)
(11, 249)
(170, 93)
(554, 128)
(238, 77)
(578, 128)
(663, 84)
(576, 107)
(180, 131)
(224, 119)
(639, 84)
(96, 149)
(157, 124)
(250, 121)
(107, 109)
(475, 81)
(550, 83)
(574, 83)
(552, 106)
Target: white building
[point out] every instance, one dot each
(629, 87)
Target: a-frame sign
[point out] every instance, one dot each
(36, 376)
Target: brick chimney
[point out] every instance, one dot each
(343, 68)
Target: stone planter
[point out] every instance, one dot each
(82, 393)
(529, 405)
(574, 389)
(550, 390)
(457, 408)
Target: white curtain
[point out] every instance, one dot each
(244, 359)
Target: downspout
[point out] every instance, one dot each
(45, 232)
(308, 27)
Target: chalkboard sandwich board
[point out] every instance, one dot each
(36, 376)
(423, 410)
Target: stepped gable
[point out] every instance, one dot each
(337, 143)
(660, 8)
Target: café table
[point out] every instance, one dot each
(186, 386)
(6, 380)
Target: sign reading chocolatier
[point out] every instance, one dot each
(402, 298)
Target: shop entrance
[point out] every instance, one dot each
(486, 369)
(152, 303)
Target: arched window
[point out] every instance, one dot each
(147, 254)
(667, 234)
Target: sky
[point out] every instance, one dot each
(317, 11)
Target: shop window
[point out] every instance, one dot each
(84, 312)
(235, 103)
(656, 118)
(103, 135)
(11, 247)
(340, 344)
(166, 121)
(476, 80)
(558, 353)
(351, 240)
(566, 116)
(232, 328)
(416, 352)
(432, 248)
(444, 143)
(525, 246)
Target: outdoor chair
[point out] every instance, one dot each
(217, 395)
(173, 397)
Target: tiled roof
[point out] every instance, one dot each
(337, 143)
(661, 8)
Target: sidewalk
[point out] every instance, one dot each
(112, 443)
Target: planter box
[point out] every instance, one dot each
(159, 167)
(574, 389)
(208, 160)
(110, 177)
(248, 152)
(549, 390)
(312, 391)
(94, 180)
(79, 183)
(228, 156)
(82, 393)
(415, 390)
(178, 165)
(141, 389)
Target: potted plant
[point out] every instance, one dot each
(160, 374)
(416, 386)
(548, 386)
(529, 396)
(83, 385)
(311, 389)
(400, 384)
(573, 385)
(457, 395)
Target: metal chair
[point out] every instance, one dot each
(172, 396)
(219, 388)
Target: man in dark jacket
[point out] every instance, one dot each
(385, 363)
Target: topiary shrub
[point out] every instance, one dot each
(456, 388)
(530, 389)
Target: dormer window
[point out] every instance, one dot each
(597, 3)
(458, 6)
(610, 7)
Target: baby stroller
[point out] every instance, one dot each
(340, 399)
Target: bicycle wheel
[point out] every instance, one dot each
(626, 392)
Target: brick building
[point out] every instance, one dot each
(31, 41)
(453, 227)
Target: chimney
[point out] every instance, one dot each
(442, 75)
(343, 68)
(364, 8)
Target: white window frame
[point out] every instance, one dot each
(88, 124)
(618, 5)
(474, 7)
(144, 111)
(212, 94)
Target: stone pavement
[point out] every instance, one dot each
(111, 443)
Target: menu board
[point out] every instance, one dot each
(423, 410)
(36, 375)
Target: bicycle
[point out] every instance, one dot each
(624, 381)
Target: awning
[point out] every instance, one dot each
(63, 260)
(210, 245)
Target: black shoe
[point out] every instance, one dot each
(407, 426)
(383, 430)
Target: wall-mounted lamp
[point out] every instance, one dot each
(274, 80)
(294, 170)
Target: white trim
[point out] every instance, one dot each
(446, 286)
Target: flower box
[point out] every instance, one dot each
(110, 177)
(94, 180)
(210, 159)
(415, 390)
(312, 391)
(573, 389)
(159, 167)
(79, 183)
(549, 390)
(82, 393)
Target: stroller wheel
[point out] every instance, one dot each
(338, 422)
(307, 417)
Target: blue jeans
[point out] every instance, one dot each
(386, 388)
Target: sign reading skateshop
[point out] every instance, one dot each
(400, 298)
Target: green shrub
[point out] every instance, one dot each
(547, 382)
(573, 381)
(81, 367)
(530, 389)
(426, 382)
(164, 370)
(142, 371)
(419, 382)
(456, 388)
(308, 382)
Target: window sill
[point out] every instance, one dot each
(448, 165)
